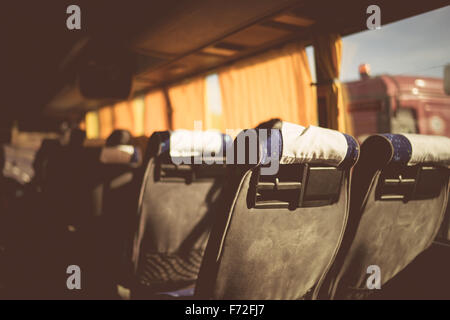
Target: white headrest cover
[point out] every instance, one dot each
(429, 149)
(312, 144)
(185, 143)
(117, 154)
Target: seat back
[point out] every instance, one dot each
(48, 149)
(399, 195)
(67, 210)
(277, 233)
(90, 195)
(176, 208)
(72, 174)
(113, 202)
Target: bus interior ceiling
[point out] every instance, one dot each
(165, 43)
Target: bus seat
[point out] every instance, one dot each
(66, 213)
(90, 201)
(119, 137)
(115, 198)
(176, 208)
(399, 196)
(47, 150)
(278, 233)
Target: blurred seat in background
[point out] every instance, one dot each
(67, 212)
(49, 149)
(91, 200)
(115, 217)
(118, 137)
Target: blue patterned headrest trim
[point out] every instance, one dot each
(402, 147)
(165, 141)
(352, 152)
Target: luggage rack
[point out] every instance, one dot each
(166, 171)
(400, 182)
(315, 186)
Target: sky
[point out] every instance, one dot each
(419, 45)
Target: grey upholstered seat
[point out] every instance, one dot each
(176, 210)
(399, 195)
(278, 233)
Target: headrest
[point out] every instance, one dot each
(187, 143)
(123, 154)
(77, 137)
(297, 144)
(118, 137)
(413, 149)
(317, 145)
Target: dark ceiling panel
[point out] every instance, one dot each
(36, 42)
(219, 51)
(291, 19)
(196, 23)
(256, 35)
(188, 64)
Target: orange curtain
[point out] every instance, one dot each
(82, 124)
(156, 113)
(138, 113)
(274, 85)
(106, 119)
(188, 104)
(141, 116)
(214, 114)
(92, 125)
(328, 56)
(123, 115)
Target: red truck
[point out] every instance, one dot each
(398, 104)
